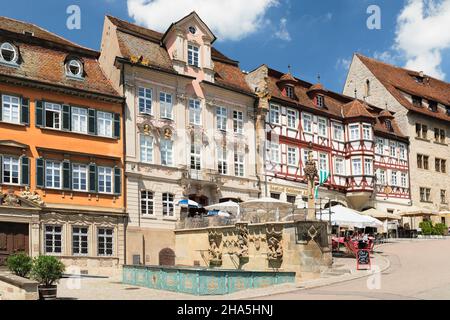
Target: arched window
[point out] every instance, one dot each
(74, 68)
(8, 53)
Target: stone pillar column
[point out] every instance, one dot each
(35, 236)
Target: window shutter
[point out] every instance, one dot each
(25, 111)
(67, 179)
(66, 117)
(117, 181)
(92, 177)
(25, 170)
(92, 126)
(1, 168)
(117, 125)
(40, 114)
(40, 173)
(1, 107)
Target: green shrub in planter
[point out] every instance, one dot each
(20, 264)
(441, 229)
(47, 270)
(427, 228)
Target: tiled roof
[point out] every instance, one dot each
(355, 109)
(397, 79)
(45, 64)
(137, 41)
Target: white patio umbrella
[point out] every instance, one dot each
(229, 206)
(415, 211)
(342, 216)
(377, 214)
(266, 204)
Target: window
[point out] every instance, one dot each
(147, 203)
(421, 131)
(306, 155)
(339, 166)
(80, 241)
(274, 152)
(79, 177)
(145, 100)
(417, 101)
(193, 55)
(274, 115)
(379, 147)
(290, 92)
(53, 239)
(192, 29)
(367, 93)
(439, 135)
(196, 156)
(168, 204)
(323, 161)
(292, 119)
(10, 109)
(403, 180)
(221, 118)
(166, 152)
(291, 199)
(368, 167)
(53, 174)
(425, 162)
(10, 170)
(381, 177)
(367, 132)
(275, 196)
(338, 131)
(238, 122)
(322, 124)
(292, 156)
(8, 53)
(104, 124)
(166, 106)
(420, 161)
(320, 101)
(394, 178)
(354, 132)
(238, 164)
(74, 68)
(79, 120)
(307, 123)
(105, 180)
(402, 151)
(432, 106)
(105, 241)
(425, 194)
(440, 165)
(444, 196)
(222, 160)
(146, 144)
(388, 124)
(195, 112)
(357, 167)
(393, 149)
(52, 115)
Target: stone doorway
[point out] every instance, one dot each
(167, 257)
(14, 237)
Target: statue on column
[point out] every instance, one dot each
(311, 174)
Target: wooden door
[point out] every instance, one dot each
(13, 238)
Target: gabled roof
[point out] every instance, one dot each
(398, 80)
(192, 15)
(355, 109)
(43, 56)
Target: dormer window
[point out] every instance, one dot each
(74, 68)
(417, 101)
(193, 55)
(447, 110)
(433, 106)
(320, 101)
(8, 53)
(389, 125)
(290, 92)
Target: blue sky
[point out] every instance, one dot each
(315, 37)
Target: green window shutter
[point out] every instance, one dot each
(117, 125)
(92, 177)
(117, 181)
(25, 162)
(25, 111)
(40, 114)
(40, 173)
(67, 176)
(66, 117)
(92, 123)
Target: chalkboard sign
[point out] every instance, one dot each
(363, 259)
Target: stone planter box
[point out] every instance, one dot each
(16, 288)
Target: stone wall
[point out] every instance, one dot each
(284, 246)
(16, 288)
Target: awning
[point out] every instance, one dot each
(346, 217)
(415, 211)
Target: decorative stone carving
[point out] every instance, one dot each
(31, 196)
(9, 199)
(274, 243)
(215, 252)
(311, 171)
(243, 235)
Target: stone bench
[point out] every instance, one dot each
(13, 287)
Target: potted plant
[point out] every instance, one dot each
(20, 264)
(47, 270)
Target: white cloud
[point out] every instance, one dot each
(343, 63)
(423, 33)
(283, 32)
(228, 19)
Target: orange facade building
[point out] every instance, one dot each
(61, 152)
